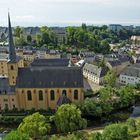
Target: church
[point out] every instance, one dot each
(44, 83)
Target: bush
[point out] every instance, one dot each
(16, 135)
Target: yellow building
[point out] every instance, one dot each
(45, 83)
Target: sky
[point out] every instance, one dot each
(70, 12)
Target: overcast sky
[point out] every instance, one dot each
(69, 12)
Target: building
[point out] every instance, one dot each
(94, 73)
(118, 64)
(61, 34)
(45, 83)
(135, 39)
(130, 75)
(87, 56)
(52, 54)
(115, 27)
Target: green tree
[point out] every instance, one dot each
(116, 132)
(18, 31)
(90, 107)
(110, 78)
(84, 26)
(20, 41)
(38, 40)
(68, 118)
(104, 46)
(95, 136)
(35, 125)
(131, 125)
(16, 135)
(29, 38)
(127, 96)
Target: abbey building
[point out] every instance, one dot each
(44, 83)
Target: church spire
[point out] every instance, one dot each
(12, 53)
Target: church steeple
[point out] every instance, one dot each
(12, 53)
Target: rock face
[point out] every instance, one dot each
(136, 112)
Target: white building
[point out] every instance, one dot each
(94, 73)
(131, 75)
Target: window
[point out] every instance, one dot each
(52, 95)
(64, 92)
(12, 67)
(76, 94)
(14, 106)
(5, 100)
(12, 99)
(29, 95)
(40, 95)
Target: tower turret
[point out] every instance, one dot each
(12, 63)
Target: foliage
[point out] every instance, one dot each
(90, 107)
(127, 96)
(29, 39)
(110, 78)
(74, 136)
(10, 120)
(68, 119)
(116, 131)
(20, 41)
(108, 99)
(35, 125)
(95, 136)
(131, 125)
(16, 135)
(18, 31)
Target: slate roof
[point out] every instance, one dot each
(50, 77)
(114, 63)
(95, 70)
(50, 62)
(4, 56)
(12, 53)
(4, 86)
(63, 100)
(133, 70)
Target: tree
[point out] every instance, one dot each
(35, 125)
(90, 107)
(38, 39)
(95, 136)
(68, 118)
(116, 132)
(16, 135)
(29, 38)
(105, 48)
(84, 26)
(20, 41)
(110, 78)
(18, 31)
(127, 96)
(131, 125)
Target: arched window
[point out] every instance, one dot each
(76, 94)
(52, 95)
(29, 95)
(64, 92)
(40, 95)
(12, 67)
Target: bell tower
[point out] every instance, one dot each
(12, 62)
